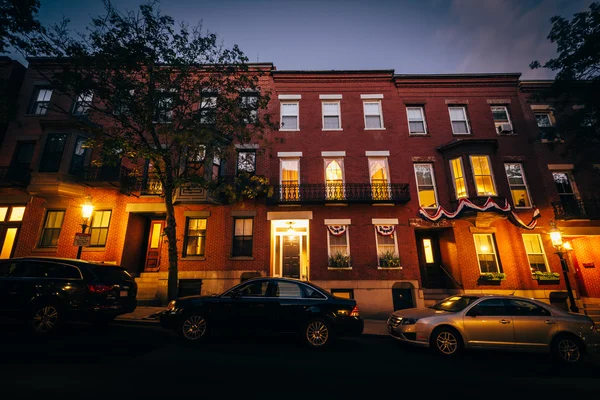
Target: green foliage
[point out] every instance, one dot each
(545, 275)
(17, 22)
(492, 276)
(245, 186)
(389, 259)
(339, 260)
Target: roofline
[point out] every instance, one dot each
(335, 71)
(65, 59)
(446, 76)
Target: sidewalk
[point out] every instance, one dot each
(147, 315)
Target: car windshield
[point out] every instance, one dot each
(454, 303)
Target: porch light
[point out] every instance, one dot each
(561, 249)
(87, 208)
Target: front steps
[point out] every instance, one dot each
(147, 289)
(591, 307)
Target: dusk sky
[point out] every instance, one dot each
(424, 36)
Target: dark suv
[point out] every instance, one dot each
(47, 291)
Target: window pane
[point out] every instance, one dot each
(500, 114)
(371, 108)
(416, 127)
(331, 108)
(457, 114)
(16, 214)
(415, 114)
(543, 120)
(373, 122)
(247, 161)
(289, 109)
(3, 211)
(459, 127)
(330, 122)
(9, 241)
(288, 122)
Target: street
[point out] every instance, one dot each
(137, 361)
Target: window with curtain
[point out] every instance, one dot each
(458, 178)
(338, 241)
(379, 175)
(416, 121)
(53, 151)
(334, 179)
(289, 116)
(458, 118)
(99, 228)
(482, 173)
(242, 237)
(426, 185)
(535, 252)
(373, 118)
(518, 185)
(195, 237)
(331, 115)
(290, 179)
(52, 226)
(486, 253)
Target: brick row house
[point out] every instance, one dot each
(396, 190)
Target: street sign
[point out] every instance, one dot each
(82, 239)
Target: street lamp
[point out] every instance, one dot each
(87, 208)
(561, 249)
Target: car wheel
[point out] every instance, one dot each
(567, 349)
(194, 327)
(447, 341)
(318, 333)
(45, 319)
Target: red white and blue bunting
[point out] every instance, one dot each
(337, 230)
(490, 205)
(385, 230)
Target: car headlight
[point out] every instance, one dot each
(409, 321)
(171, 305)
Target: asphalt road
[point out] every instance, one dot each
(137, 362)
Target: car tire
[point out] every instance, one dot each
(567, 349)
(318, 333)
(194, 327)
(46, 318)
(447, 342)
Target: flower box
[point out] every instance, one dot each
(492, 276)
(545, 276)
(389, 260)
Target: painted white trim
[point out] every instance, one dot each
(281, 127)
(466, 120)
(282, 154)
(431, 171)
(524, 184)
(333, 154)
(382, 125)
(337, 221)
(384, 221)
(383, 153)
(464, 178)
(278, 215)
(330, 96)
(560, 167)
(290, 97)
(339, 116)
(489, 161)
(422, 119)
(371, 96)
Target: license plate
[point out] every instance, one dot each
(123, 293)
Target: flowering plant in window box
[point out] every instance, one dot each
(492, 276)
(339, 260)
(389, 260)
(545, 275)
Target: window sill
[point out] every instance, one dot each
(389, 268)
(332, 130)
(289, 130)
(241, 258)
(193, 258)
(93, 249)
(462, 134)
(339, 268)
(374, 129)
(419, 134)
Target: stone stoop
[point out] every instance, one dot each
(591, 307)
(147, 289)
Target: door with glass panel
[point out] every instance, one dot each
(154, 245)
(430, 260)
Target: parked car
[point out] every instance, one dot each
(45, 291)
(266, 305)
(474, 321)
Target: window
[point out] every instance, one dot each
(379, 176)
(458, 177)
(163, 111)
(242, 237)
(208, 108)
(99, 228)
(246, 161)
(565, 186)
(543, 120)
(518, 185)
(10, 223)
(249, 106)
(416, 121)
(490, 308)
(290, 179)
(334, 179)
(331, 116)
(78, 157)
(254, 289)
(82, 104)
(287, 289)
(458, 118)
(545, 123)
(486, 253)
(484, 181)
(289, 116)
(501, 119)
(426, 185)
(535, 252)
(40, 101)
(337, 240)
(195, 237)
(373, 117)
(385, 237)
(526, 308)
(51, 230)
(55, 144)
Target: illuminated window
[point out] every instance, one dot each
(458, 178)
(331, 116)
(486, 253)
(41, 100)
(379, 175)
(52, 227)
(426, 185)
(195, 237)
(289, 116)
(535, 252)
(428, 251)
(458, 118)
(290, 178)
(16, 214)
(334, 179)
(518, 185)
(482, 173)
(337, 240)
(99, 228)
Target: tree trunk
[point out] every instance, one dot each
(172, 283)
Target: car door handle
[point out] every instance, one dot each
(549, 322)
(505, 321)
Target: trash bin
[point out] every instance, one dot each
(189, 287)
(559, 300)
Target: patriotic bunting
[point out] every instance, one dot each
(385, 230)
(490, 205)
(337, 230)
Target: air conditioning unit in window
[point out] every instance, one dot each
(505, 128)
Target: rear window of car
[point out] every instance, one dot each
(106, 273)
(42, 269)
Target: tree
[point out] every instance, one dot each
(577, 81)
(146, 89)
(17, 20)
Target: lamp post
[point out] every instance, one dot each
(561, 249)
(87, 209)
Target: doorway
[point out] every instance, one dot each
(289, 249)
(430, 260)
(291, 257)
(155, 240)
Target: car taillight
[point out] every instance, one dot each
(99, 289)
(354, 312)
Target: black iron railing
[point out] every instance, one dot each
(104, 173)
(15, 176)
(144, 185)
(397, 193)
(577, 209)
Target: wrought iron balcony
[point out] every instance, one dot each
(577, 209)
(396, 193)
(144, 185)
(14, 176)
(103, 176)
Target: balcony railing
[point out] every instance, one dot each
(10, 176)
(144, 185)
(396, 193)
(577, 209)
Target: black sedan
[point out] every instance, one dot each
(266, 305)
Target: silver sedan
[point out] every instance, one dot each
(474, 321)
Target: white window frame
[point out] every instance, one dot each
(466, 120)
(338, 115)
(489, 161)
(281, 115)
(297, 191)
(541, 244)
(346, 223)
(524, 184)
(499, 124)
(340, 161)
(396, 251)
(464, 178)
(422, 110)
(380, 115)
(431, 171)
(479, 252)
